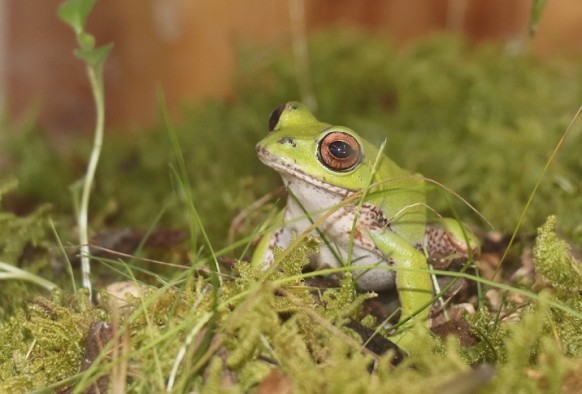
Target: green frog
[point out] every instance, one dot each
(371, 213)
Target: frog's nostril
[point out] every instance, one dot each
(287, 140)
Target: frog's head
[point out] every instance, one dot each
(300, 146)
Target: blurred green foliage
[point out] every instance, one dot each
(480, 120)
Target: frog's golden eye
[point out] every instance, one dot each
(275, 115)
(339, 151)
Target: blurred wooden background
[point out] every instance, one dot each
(188, 47)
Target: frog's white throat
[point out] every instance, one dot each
(311, 194)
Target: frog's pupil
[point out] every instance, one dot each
(340, 149)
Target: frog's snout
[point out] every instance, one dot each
(262, 152)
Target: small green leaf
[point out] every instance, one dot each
(75, 13)
(94, 57)
(536, 12)
(86, 41)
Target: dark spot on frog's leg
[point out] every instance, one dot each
(287, 140)
(441, 245)
(377, 216)
(437, 241)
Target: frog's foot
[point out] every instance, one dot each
(449, 238)
(404, 338)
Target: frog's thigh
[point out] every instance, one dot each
(449, 236)
(413, 281)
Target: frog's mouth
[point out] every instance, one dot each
(286, 169)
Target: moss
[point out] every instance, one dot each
(290, 264)
(23, 244)
(300, 345)
(259, 319)
(18, 232)
(522, 347)
(289, 329)
(567, 326)
(43, 343)
(562, 274)
(343, 302)
(491, 335)
(554, 261)
(216, 381)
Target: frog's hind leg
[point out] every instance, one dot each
(450, 239)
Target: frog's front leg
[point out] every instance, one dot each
(278, 236)
(413, 281)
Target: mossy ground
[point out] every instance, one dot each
(482, 121)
